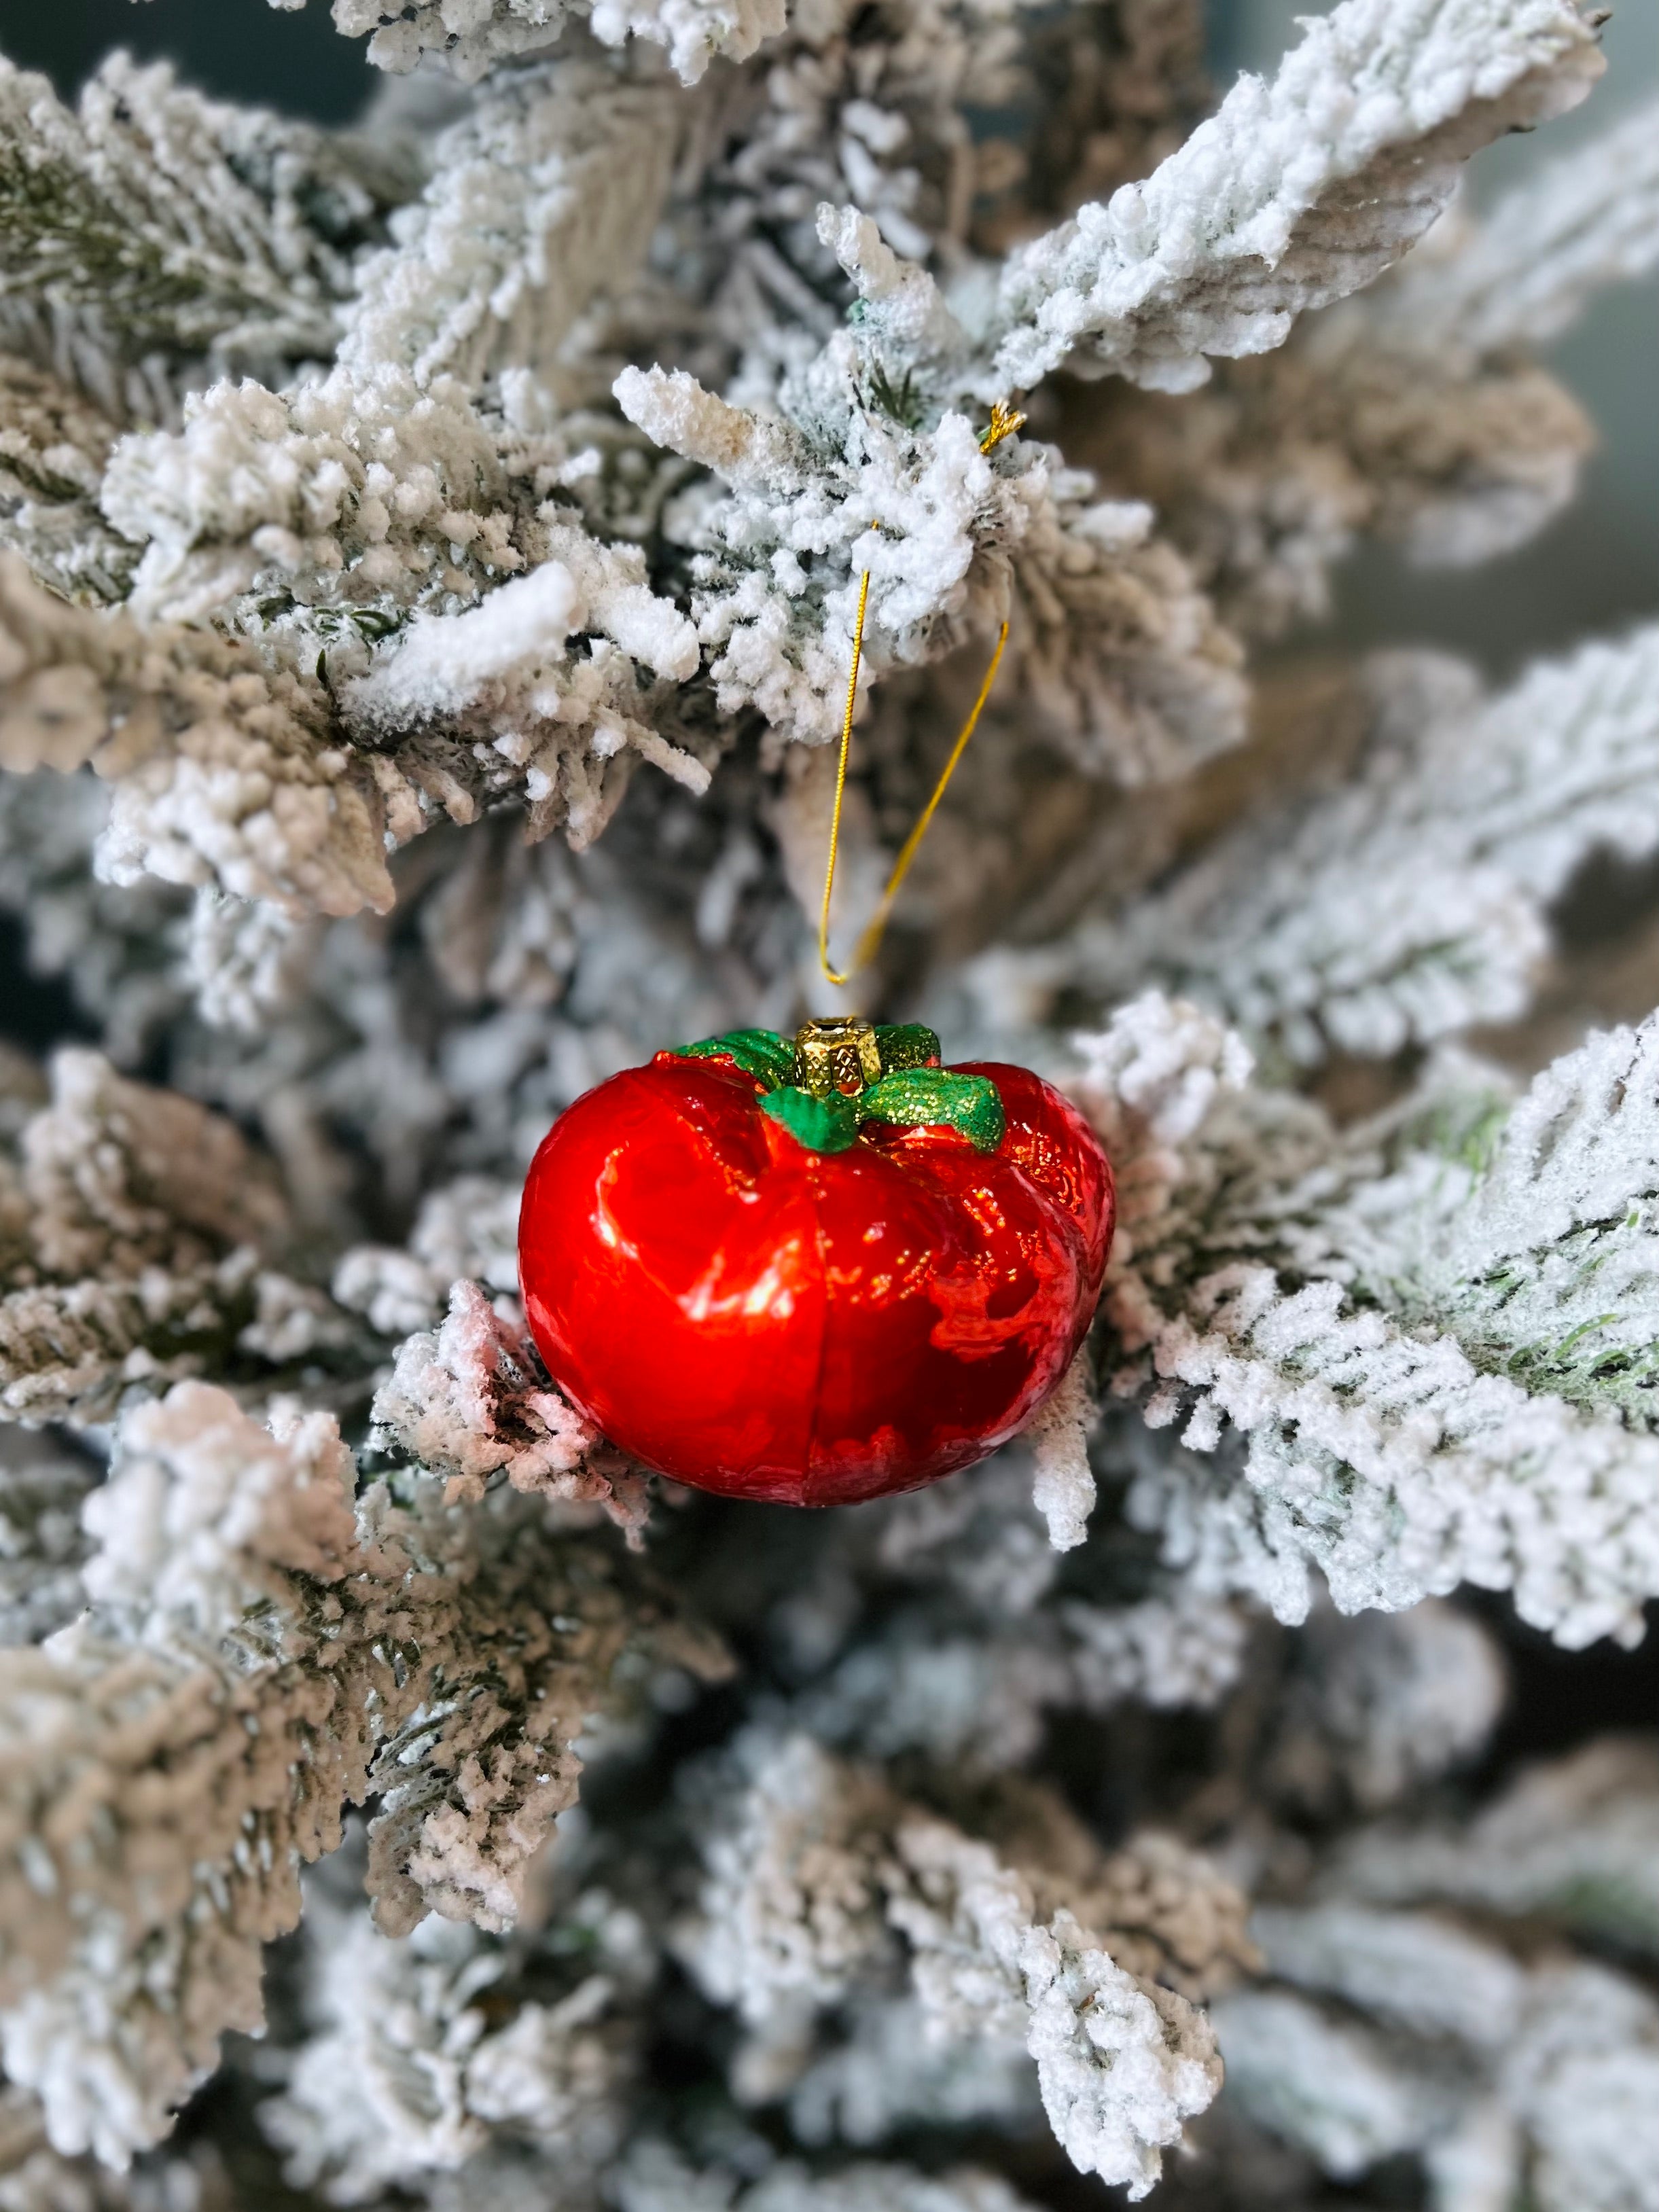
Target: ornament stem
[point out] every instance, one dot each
(837, 1053)
(865, 950)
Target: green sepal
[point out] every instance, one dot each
(821, 1125)
(759, 1053)
(921, 1097)
(905, 1044)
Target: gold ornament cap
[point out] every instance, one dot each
(838, 1055)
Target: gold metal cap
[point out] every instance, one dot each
(838, 1053)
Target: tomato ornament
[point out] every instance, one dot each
(814, 1269)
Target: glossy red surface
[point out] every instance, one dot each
(808, 1327)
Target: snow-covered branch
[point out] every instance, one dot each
(1262, 1293)
(152, 231)
(1293, 194)
(141, 1239)
(1414, 2012)
(692, 30)
(818, 1879)
(259, 1657)
(222, 758)
(1411, 901)
(544, 193)
(1410, 410)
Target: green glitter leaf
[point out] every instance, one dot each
(905, 1044)
(759, 1053)
(821, 1125)
(921, 1097)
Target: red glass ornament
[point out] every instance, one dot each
(779, 1320)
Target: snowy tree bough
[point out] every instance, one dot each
(256, 1659)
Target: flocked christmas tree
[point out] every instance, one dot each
(434, 553)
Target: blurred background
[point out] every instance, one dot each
(1597, 567)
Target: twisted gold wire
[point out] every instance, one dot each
(865, 950)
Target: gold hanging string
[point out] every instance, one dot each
(872, 938)
(841, 791)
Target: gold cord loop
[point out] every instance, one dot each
(829, 974)
(865, 950)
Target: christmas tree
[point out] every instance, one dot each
(434, 549)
